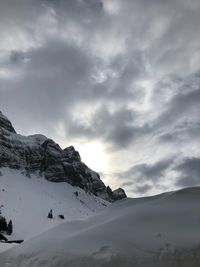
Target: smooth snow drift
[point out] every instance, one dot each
(27, 201)
(160, 231)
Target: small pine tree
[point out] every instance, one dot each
(50, 214)
(3, 224)
(9, 230)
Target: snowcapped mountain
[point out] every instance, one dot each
(36, 175)
(37, 154)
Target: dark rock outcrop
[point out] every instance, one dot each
(39, 154)
(5, 123)
(119, 194)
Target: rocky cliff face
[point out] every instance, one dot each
(37, 153)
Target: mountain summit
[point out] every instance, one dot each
(37, 154)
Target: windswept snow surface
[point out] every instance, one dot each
(160, 231)
(27, 201)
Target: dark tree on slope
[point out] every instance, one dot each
(61, 216)
(3, 224)
(9, 228)
(50, 214)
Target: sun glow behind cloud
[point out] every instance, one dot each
(93, 155)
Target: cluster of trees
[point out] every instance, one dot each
(50, 215)
(5, 227)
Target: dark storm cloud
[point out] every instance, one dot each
(138, 189)
(58, 72)
(153, 172)
(115, 128)
(145, 172)
(56, 79)
(179, 122)
(189, 172)
(143, 178)
(50, 82)
(141, 189)
(185, 132)
(182, 105)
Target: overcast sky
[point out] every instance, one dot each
(118, 79)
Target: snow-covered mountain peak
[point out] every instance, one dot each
(39, 154)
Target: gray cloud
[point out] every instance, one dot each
(142, 189)
(144, 177)
(181, 106)
(153, 172)
(189, 172)
(146, 172)
(115, 128)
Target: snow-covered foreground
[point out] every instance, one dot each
(160, 231)
(27, 202)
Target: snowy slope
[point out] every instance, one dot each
(160, 231)
(27, 202)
